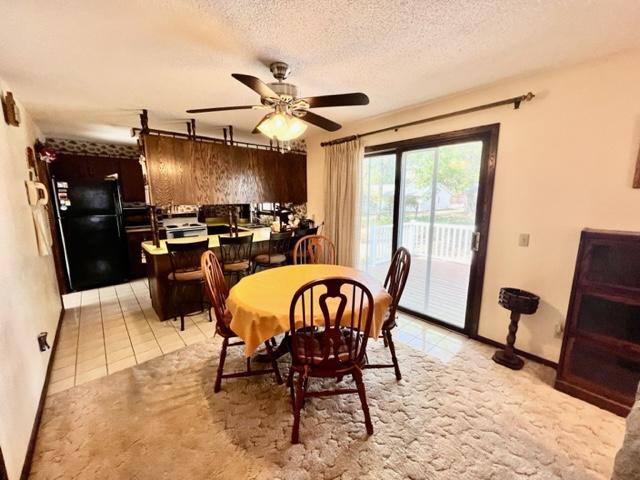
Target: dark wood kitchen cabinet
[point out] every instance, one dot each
(600, 358)
(81, 167)
(137, 264)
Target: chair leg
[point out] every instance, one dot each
(223, 356)
(357, 376)
(290, 381)
(392, 349)
(174, 296)
(297, 406)
(274, 362)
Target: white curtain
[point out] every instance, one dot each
(343, 164)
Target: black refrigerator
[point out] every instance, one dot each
(89, 217)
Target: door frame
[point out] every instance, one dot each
(488, 134)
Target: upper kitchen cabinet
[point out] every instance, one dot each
(75, 166)
(186, 171)
(131, 180)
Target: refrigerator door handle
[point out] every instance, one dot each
(65, 254)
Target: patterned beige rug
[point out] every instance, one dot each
(466, 419)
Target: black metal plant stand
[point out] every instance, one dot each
(519, 302)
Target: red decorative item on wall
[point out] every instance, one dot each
(47, 154)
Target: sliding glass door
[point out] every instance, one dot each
(437, 224)
(377, 213)
(425, 198)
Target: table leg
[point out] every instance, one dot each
(282, 349)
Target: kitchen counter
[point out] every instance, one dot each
(259, 235)
(158, 268)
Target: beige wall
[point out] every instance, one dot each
(565, 162)
(30, 300)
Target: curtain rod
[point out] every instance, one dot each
(516, 101)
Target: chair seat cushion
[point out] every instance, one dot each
(190, 276)
(315, 343)
(274, 259)
(236, 266)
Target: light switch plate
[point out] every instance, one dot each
(523, 240)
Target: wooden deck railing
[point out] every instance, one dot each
(450, 242)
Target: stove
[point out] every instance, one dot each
(180, 227)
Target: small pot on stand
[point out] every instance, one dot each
(519, 302)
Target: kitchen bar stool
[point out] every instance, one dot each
(279, 244)
(186, 276)
(235, 253)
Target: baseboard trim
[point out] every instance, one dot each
(26, 466)
(3, 468)
(527, 355)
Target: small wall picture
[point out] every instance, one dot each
(10, 110)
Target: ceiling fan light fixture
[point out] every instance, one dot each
(282, 126)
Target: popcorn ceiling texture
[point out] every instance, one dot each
(87, 68)
(467, 419)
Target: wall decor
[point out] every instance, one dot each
(636, 177)
(10, 110)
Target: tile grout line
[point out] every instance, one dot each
(126, 327)
(104, 341)
(75, 369)
(135, 295)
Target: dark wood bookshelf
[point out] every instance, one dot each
(600, 357)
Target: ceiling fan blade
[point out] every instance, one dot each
(222, 109)
(341, 100)
(256, 85)
(321, 122)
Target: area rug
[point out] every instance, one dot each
(465, 419)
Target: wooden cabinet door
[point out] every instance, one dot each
(70, 167)
(100, 167)
(131, 180)
(137, 268)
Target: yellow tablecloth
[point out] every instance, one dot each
(260, 303)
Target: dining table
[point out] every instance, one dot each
(260, 303)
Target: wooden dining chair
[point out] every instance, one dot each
(218, 292)
(235, 253)
(279, 244)
(185, 279)
(394, 283)
(321, 348)
(314, 249)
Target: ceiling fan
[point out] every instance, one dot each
(289, 113)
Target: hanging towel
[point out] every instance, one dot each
(43, 234)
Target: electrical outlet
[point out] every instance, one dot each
(523, 240)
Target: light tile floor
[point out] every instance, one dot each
(112, 328)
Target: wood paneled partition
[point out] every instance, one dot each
(186, 171)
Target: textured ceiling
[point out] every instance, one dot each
(85, 67)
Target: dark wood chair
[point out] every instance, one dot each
(235, 253)
(279, 245)
(218, 292)
(394, 283)
(186, 277)
(314, 249)
(321, 348)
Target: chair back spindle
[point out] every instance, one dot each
(325, 307)
(314, 249)
(395, 282)
(216, 289)
(185, 256)
(235, 249)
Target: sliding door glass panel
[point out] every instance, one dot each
(376, 213)
(438, 197)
